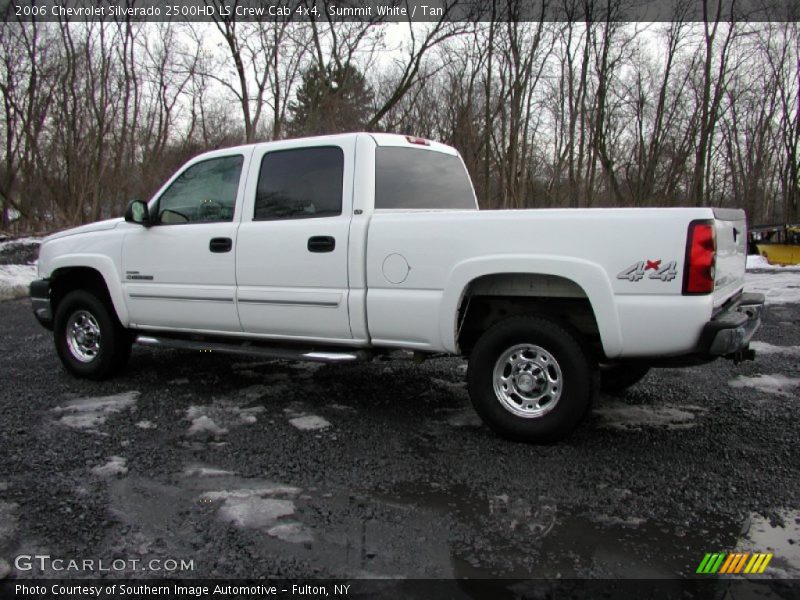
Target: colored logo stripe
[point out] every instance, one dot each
(711, 563)
(737, 563)
(758, 563)
(728, 562)
(734, 563)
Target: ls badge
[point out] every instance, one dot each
(637, 271)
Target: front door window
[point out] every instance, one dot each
(203, 193)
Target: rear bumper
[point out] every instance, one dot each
(730, 331)
(40, 299)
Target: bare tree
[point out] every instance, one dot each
(587, 111)
(710, 93)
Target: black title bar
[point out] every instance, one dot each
(393, 11)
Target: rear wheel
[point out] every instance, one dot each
(530, 380)
(89, 340)
(615, 378)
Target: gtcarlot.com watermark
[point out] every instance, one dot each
(46, 563)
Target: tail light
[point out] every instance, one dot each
(701, 253)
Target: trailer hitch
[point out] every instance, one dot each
(742, 355)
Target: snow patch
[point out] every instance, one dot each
(219, 418)
(610, 521)
(310, 423)
(89, 413)
(755, 261)
(779, 539)
(293, 532)
(777, 384)
(778, 287)
(255, 512)
(257, 508)
(294, 409)
(179, 381)
(765, 348)
(206, 425)
(618, 415)
(15, 280)
(146, 425)
(201, 471)
(243, 493)
(116, 465)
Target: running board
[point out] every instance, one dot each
(246, 349)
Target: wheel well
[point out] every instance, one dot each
(492, 298)
(68, 279)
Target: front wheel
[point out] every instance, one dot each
(89, 340)
(530, 379)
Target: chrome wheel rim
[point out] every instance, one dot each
(527, 381)
(83, 336)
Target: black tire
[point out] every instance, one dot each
(616, 378)
(82, 357)
(570, 392)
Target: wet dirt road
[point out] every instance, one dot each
(249, 468)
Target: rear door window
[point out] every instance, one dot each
(303, 183)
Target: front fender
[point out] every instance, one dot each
(107, 269)
(591, 278)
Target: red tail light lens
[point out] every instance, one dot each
(701, 253)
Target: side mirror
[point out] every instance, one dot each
(137, 213)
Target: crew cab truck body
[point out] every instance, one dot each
(340, 247)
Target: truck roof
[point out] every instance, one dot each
(380, 139)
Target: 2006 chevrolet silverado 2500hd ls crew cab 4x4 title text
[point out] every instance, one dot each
(342, 247)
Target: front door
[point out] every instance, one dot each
(291, 254)
(180, 273)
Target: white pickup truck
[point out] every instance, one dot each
(342, 247)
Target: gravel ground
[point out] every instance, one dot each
(270, 469)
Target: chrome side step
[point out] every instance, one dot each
(247, 349)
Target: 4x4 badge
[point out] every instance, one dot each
(637, 271)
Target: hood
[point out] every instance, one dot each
(88, 228)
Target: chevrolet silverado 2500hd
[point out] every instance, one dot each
(338, 248)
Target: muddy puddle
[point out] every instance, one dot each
(428, 531)
(501, 536)
(535, 539)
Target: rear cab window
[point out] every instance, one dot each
(420, 179)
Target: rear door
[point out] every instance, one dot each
(291, 255)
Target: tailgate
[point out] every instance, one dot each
(731, 233)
